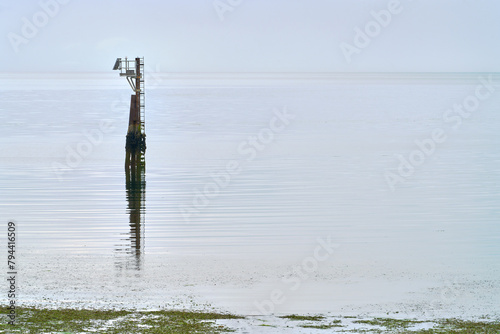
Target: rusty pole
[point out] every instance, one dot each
(135, 137)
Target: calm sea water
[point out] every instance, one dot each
(256, 168)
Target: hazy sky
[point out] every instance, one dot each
(252, 35)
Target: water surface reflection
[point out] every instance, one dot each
(130, 251)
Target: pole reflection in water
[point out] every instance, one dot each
(135, 148)
(131, 250)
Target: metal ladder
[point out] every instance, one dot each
(142, 98)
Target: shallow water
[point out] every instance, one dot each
(320, 173)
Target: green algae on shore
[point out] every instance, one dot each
(72, 321)
(32, 320)
(303, 317)
(440, 326)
